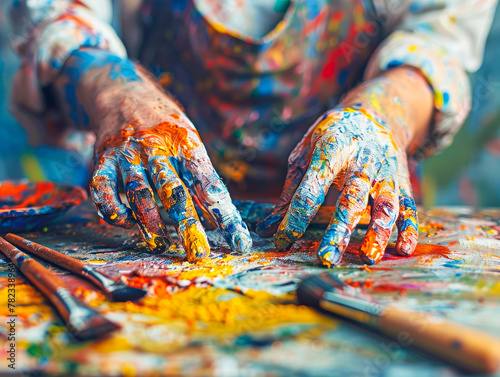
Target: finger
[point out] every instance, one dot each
(407, 221)
(311, 192)
(385, 210)
(104, 190)
(179, 206)
(351, 204)
(214, 197)
(297, 167)
(141, 199)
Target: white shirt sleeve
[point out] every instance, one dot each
(444, 39)
(44, 33)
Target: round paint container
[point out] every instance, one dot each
(25, 206)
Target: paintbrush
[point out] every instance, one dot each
(466, 348)
(117, 290)
(81, 321)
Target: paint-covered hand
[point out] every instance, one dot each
(360, 155)
(143, 136)
(171, 156)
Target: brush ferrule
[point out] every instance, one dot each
(353, 308)
(79, 314)
(99, 279)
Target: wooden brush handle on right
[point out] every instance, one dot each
(469, 349)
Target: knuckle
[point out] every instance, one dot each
(408, 204)
(132, 185)
(158, 162)
(343, 217)
(305, 203)
(327, 142)
(173, 193)
(106, 210)
(178, 194)
(98, 181)
(355, 203)
(386, 209)
(216, 191)
(165, 179)
(192, 140)
(356, 193)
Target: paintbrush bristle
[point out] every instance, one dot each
(115, 288)
(124, 293)
(311, 290)
(97, 327)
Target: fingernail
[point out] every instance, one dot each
(129, 216)
(282, 242)
(404, 248)
(197, 251)
(123, 218)
(334, 244)
(371, 251)
(371, 254)
(241, 242)
(194, 239)
(330, 256)
(157, 244)
(366, 259)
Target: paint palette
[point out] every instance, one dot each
(29, 205)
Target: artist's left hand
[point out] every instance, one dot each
(362, 155)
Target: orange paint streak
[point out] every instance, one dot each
(27, 195)
(326, 123)
(171, 137)
(372, 243)
(422, 249)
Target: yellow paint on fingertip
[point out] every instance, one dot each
(325, 261)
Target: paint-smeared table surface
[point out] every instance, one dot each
(236, 315)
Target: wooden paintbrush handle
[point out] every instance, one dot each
(470, 349)
(38, 275)
(50, 255)
(83, 322)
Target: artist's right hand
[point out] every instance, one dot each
(143, 136)
(170, 155)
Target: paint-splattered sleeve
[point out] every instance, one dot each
(445, 40)
(44, 33)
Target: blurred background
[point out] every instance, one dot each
(467, 173)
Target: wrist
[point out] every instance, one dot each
(117, 93)
(403, 99)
